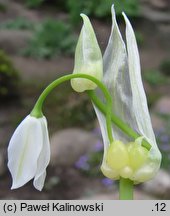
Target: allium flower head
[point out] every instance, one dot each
(122, 76)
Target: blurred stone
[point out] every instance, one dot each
(6, 124)
(157, 122)
(13, 41)
(163, 105)
(46, 69)
(155, 15)
(3, 167)
(165, 29)
(16, 9)
(68, 145)
(159, 186)
(7, 130)
(160, 4)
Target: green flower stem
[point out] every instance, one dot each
(125, 189)
(37, 110)
(117, 121)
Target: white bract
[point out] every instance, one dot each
(88, 58)
(29, 152)
(122, 76)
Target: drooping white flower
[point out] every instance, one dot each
(88, 58)
(122, 76)
(29, 152)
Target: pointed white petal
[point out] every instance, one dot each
(115, 77)
(139, 102)
(44, 157)
(39, 181)
(23, 151)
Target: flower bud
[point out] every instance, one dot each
(117, 155)
(88, 58)
(138, 155)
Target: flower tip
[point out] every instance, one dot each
(85, 18)
(15, 186)
(124, 15)
(113, 13)
(125, 18)
(83, 15)
(113, 7)
(37, 186)
(113, 10)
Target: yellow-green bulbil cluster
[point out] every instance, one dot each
(126, 159)
(130, 160)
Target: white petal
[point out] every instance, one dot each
(139, 102)
(115, 77)
(44, 158)
(115, 66)
(39, 182)
(23, 151)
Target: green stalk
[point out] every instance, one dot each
(37, 110)
(126, 185)
(117, 121)
(125, 189)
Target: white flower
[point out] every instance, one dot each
(122, 76)
(29, 152)
(88, 58)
